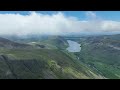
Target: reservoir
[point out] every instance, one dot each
(73, 46)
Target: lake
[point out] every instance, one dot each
(73, 46)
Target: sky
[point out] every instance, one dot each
(59, 22)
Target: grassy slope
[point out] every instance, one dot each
(50, 62)
(50, 42)
(42, 63)
(101, 58)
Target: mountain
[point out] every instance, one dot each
(99, 58)
(41, 63)
(58, 41)
(102, 54)
(5, 43)
(52, 42)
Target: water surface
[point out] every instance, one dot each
(73, 46)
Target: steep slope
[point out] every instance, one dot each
(102, 54)
(41, 64)
(33, 63)
(57, 41)
(5, 43)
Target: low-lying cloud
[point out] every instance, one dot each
(55, 24)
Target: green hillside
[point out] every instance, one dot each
(102, 54)
(40, 63)
(48, 58)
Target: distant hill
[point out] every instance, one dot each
(5, 43)
(57, 41)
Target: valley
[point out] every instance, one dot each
(59, 44)
(59, 57)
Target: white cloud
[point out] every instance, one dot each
(91, 15)
(54, 24)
